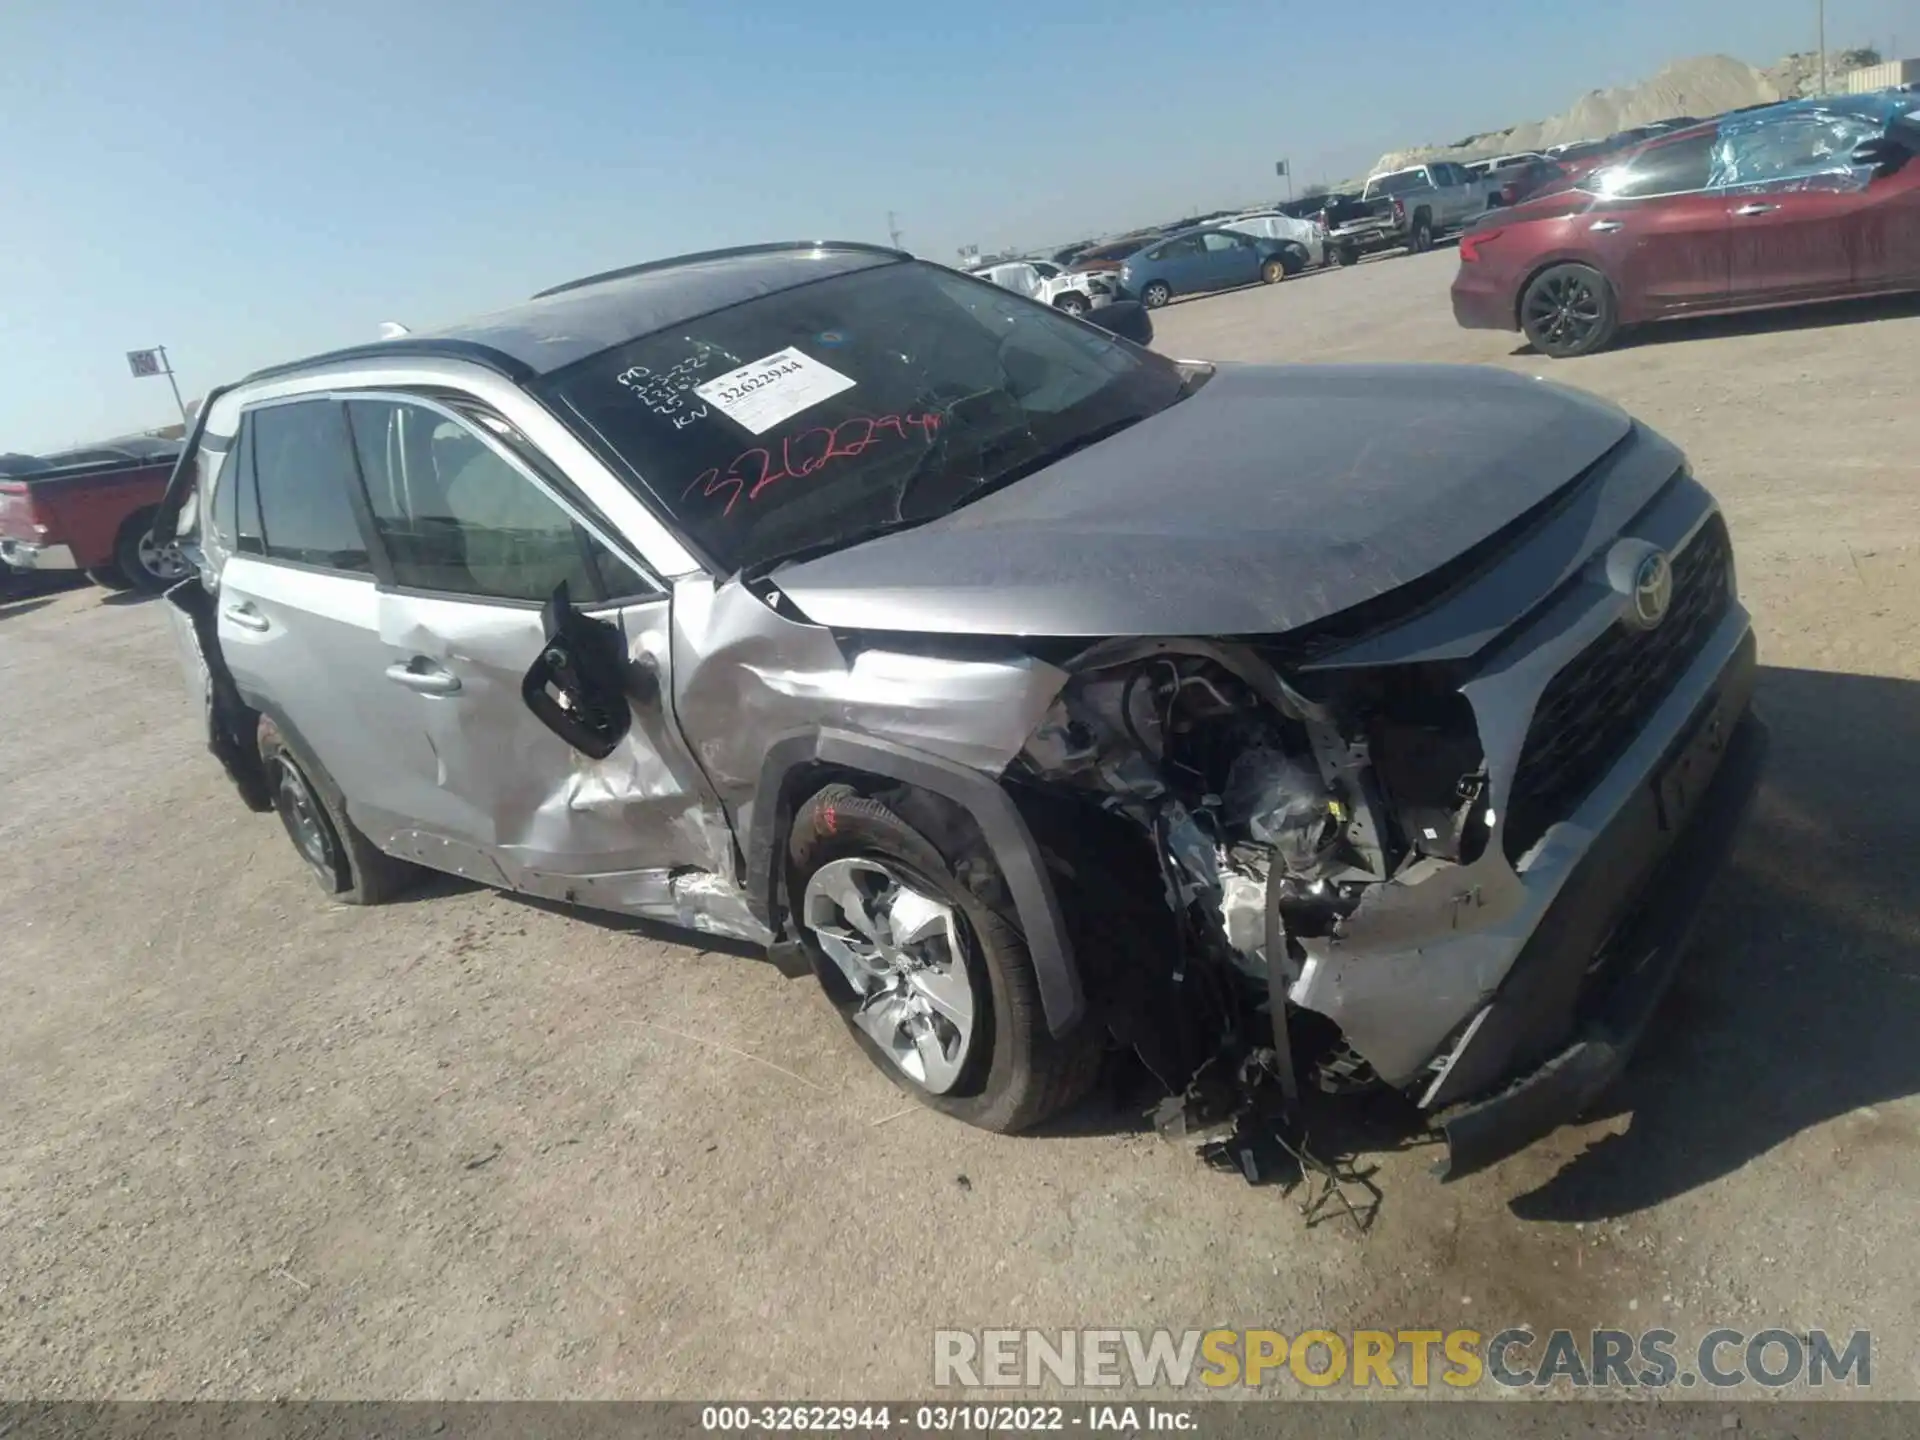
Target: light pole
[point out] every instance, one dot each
(1822, 5)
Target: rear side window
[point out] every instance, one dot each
(303, 474)
(1674, 168)
(225, 508)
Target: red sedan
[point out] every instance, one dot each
(1809, 200)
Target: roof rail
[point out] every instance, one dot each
(774, 248)
(412, 346)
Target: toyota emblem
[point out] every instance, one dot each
(1652, 590)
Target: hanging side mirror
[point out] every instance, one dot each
(1881, 155)
(578, 686)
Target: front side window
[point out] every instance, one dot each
(456, 516)
(1788, 150)
(303, 476)
(817, 415)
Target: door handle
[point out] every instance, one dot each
(425, 676)
(246, 617)
(1606, 227)
(1755, 209)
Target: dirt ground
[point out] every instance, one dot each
(256, 1144)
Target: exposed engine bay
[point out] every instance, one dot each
(1269, 816)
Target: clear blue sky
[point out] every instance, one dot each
(245, 181)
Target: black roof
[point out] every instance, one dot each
(583, 317)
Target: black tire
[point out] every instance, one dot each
(345, 864)
(1072, 303)
(128, 558)
(1273, 270)
(1569, 310)
(1422, 239)
(1018, 1073)
(1156, 294)
(108, 577)
(1344, 255)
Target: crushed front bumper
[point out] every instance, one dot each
(26, 555)
(1568, 1014)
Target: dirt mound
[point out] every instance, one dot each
(1704, 85)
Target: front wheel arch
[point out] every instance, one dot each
(797, 765)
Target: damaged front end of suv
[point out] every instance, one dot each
(1446, 840)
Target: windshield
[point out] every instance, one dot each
(815, 416)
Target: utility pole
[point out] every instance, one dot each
(893, 227)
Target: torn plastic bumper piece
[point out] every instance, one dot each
(1647, 948)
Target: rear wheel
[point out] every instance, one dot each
(1344, 255)
(1422, 233)
(345, 864)
(1273, 271)
(1156, 294)
(148, 564)
(936, 987)
(1072, 302)
(1569, 310)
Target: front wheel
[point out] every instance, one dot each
(1072, 303)
(1569, 310)
(936, 987)
(1156, 294)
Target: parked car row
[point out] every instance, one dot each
(1807, 200)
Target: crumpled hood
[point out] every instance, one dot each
(1271, 498)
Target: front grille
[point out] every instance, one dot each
(1590, 712)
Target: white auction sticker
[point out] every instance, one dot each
(761, 395)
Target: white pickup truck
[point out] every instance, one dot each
(1408, 209)
(1042, 280)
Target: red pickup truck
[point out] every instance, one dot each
(89, 510)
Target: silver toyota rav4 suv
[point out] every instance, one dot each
(1359, 727)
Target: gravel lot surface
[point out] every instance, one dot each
(258, 1144)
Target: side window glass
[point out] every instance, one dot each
(1784, 151)
(1676, 168)
(303, 473)
(457, 517)
(249, 537)
(224, 508)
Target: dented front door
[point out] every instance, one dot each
(509, 801)
(474, 542)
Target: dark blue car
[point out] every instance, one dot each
(1205, 259)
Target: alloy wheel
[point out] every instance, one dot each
(301, 815)
(163, 562)
(901, 951)
(1562, 310)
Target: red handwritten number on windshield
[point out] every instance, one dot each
(803, 454)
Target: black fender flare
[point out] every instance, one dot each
(1062, 996)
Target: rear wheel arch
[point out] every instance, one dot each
(798, 766)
